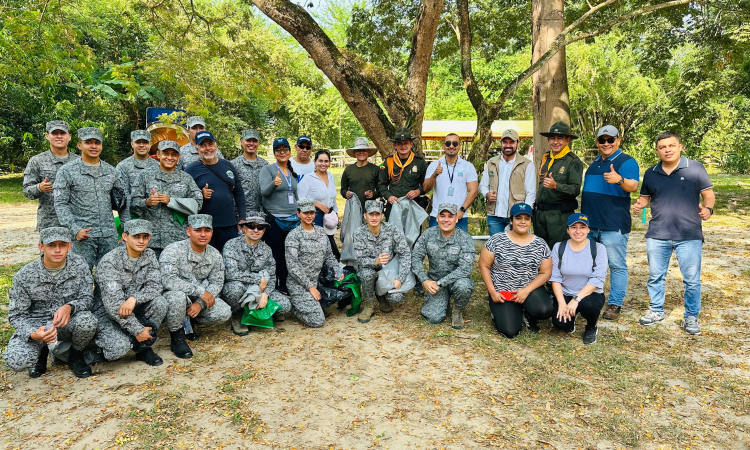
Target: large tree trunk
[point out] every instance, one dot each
(550, 101)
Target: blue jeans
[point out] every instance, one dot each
(659, 253)
(497, 224)
(462, 224)
(616, 244)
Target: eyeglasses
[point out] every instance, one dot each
(304, 147)
(609, 140)
(452, 143)
(281, 150)
(254, 226)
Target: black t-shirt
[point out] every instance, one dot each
(226, 205)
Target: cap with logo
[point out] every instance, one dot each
(87, 133)
(520, 208)
(304, 138)
(195, 120)
(305, 205)
(54, 125)
(361, 144)
(250, 134)
(402, 134)
(510, 133)
(607, 130)
(450, 207)
(167, 144)
(203, 136)
(374, 206)
(278, 142)
(200, 221)
(559, 129)
(578, 217)
(54, 234)
(137, 226)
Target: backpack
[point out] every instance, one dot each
(561, 250)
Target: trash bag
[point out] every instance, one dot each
(408, 217)
(120, 228)
(351, 281)
(388, 273)
(344, 292)
(260, 317)
(351, 221)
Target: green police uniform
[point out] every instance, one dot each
(411, 177)
(553, 206)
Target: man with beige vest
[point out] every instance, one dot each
(507, 179)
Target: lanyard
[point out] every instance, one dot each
(287, 178)
(448, 170)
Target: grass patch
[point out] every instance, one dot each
(11, 189)
(6, 279)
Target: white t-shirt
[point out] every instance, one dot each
(462, 172)
(303, 169)
(313, 188)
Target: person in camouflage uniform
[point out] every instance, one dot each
(189, 151)
(127, 297)
(158, 190)
(84, 192)
(192, 273)
(41, 171)
(450, 252)
(49, 303)
(307, 251)
(375, 243)
(248, 261)
(129, 168)
(248, 167)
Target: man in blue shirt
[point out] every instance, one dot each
(223, 197)
(605, 200)
(674, 188)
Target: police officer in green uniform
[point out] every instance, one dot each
(560, 178)
(402, 174)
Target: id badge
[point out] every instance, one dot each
(291, 197)
(450, 191)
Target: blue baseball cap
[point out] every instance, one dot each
(202, 136)
(578, 217)
(520, 208)
(278, 142)
(304, 138)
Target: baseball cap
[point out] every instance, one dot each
(607, 130)
(510, 133)
(305, 205)
(578, 217)
(200, 221)
(278, 142)
(167, 144)
(202, 136)
(304, 138)
(250, 134)
(137, 226)
(195, 120)
(137, 135)
(374, 206)
(450, 207)
(61, 125)
(520, 208)
(54, 234)
(87, 133)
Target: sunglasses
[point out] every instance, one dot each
(254, 226)
(304, 147)
(452, 143)
(609, 140)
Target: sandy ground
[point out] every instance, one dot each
(18, 240)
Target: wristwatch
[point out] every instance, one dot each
(622, 180)
(711, 210)
(575, 297)
(464, 209)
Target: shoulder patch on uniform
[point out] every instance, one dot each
(230, 174)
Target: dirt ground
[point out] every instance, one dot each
(398, 382)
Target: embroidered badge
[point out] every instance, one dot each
(414, 169)
(562, 170)
(230, 174)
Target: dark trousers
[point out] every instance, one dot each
(552, 226)
(508, 316)
(222, 235)
(319, 222)
(275, 237)
(589, 307)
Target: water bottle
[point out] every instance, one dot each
(51, 345)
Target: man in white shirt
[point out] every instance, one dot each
(302, 163)
(507, 180)
(454, 180)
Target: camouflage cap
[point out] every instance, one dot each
(137, 135)
(54, 234)
(167, 144)
(450, 207)
(86, 133)
(305, 205)
(195, 120)
(200, 221)
(61, 125)
(250, 134)
(256, 217)
(374, 206)
(137, 226)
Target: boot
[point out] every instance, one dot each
(366, 311)
(192, 335)
(457, 318)
(77, 365)
(279, 317)
(237, 327)
(385, 305)
(148, 356)
(40, 368)
(179, 346)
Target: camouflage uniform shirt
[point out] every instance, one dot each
(41, 166)
(184, 270)
(450, 258)
(306, 254)
(249, 172)
(249, 263)
(128, 169)
(389, 240)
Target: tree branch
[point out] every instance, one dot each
(422, 43)
(464, 36)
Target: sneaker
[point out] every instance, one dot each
(530, 323)
(149, 357)
(589, 335)
(652, 318)
(40, 368)
(238, 327)
(690, 324)
(612, 312)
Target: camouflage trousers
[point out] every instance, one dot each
(368, 277)
(115, 341)
(178, 302)
(305, 307)
(93, 249)
(435, 306)
(234, 290)
(23, 352)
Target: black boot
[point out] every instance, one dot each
(179, 346)
(194, 335)
(78, 365)
(148, 356)
(40, 368)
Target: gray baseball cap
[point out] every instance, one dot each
(137, 135)
(256, 217)
(167, 144)
(374, 206)
(54, 234)
(200, 221)
(305, 205)
(61, 125)
(510, 133)
(450, 207)
(607, 130)
(250, 134)
(137, 226)
(195, 120)
(86, 133)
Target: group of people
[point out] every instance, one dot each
(203, 237)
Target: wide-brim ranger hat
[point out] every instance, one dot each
(559, 129)
(402, 134)
(521, 208)
(360, 144)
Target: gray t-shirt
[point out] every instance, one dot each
(577, 268)
(276, 198)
